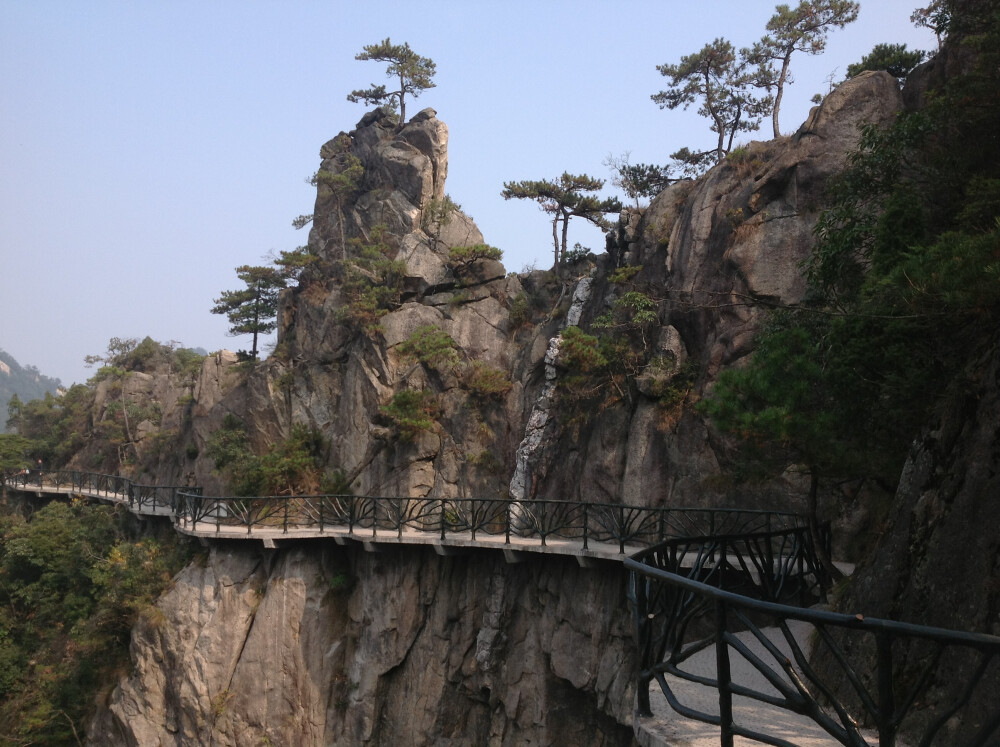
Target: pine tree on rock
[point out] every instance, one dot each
(802, 29)
(415, 74)
(723, 81)
(565, 199)
(252, 310)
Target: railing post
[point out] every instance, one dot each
(322, 501)
(586, 525)
(285, 523)
(442, 520)
(643, 621)
(724, 676)
(507, 528)
(621, 530)
(886, 697)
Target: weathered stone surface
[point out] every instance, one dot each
(321, 646)
(443, 650)
(938, 561)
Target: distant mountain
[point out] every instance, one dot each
(24, 381)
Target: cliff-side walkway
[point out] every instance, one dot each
(722, 600)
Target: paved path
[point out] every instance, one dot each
(453, 541)
(666, 728)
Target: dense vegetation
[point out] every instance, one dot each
(906, 286)
(55, 429)
(73, 582)
(22, 383)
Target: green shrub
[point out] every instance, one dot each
(461, 256)
(412, 412)
(624, 274)
(372, 282)
(73, 587)
(520, 311)
(485, 382)
(432, 346)
(579, 353)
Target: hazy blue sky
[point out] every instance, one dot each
(148, 148)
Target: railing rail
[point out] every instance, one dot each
(681, 589)
(887, 675)
(544, 521)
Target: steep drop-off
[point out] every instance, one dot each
(315, 644)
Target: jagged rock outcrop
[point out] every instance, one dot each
(711, 249)
(317, 645)
(424, 649)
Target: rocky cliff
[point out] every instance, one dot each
(318, 645)
(314, 644)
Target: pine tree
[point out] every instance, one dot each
(722, 80)
(414, 72)
(565, 199)
(252, 310)
(802, 29)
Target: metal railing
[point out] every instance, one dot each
(862, 672)
(683, 592)
(142, 499)
(545, 521)
(625, 527)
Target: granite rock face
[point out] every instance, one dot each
(317, 645)
(298, 647)
(930, 567)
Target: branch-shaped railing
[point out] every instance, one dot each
(141, 498)
(544, 521)
(622, 527)
(683, 591)
(881, 674)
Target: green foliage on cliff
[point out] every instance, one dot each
(372, 281)
(293, 466)
(896, 59)
(460, 256)
(412, 412)
(24, 383)
(432, 346)
(72, 585)
(906, 277)
(58, 425)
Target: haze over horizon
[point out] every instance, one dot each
(152, 148)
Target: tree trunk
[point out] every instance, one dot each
(812, 509)
(555, 240)
(779, 94)
(565, 231)
(256, 322)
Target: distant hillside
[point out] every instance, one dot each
(24, 381)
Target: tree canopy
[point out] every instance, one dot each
(895, 59)
(563, 199)
(252, 310)
(414, 75)
(800, 29)
(723, 81)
